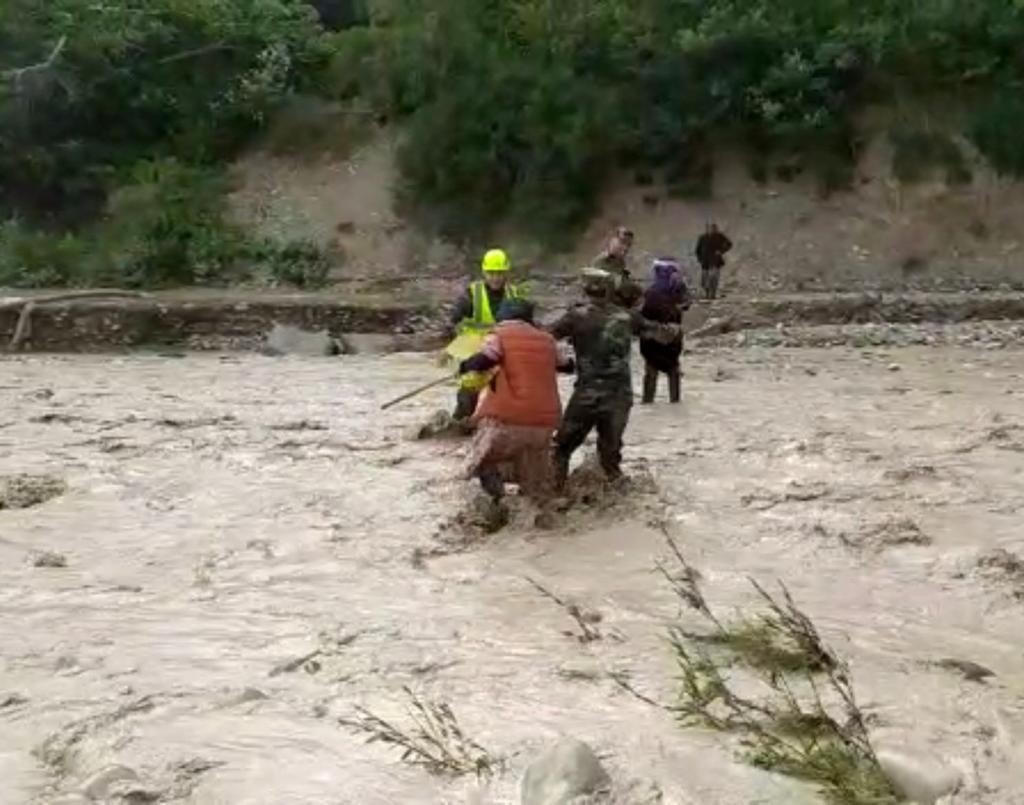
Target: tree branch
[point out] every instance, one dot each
(18, 72)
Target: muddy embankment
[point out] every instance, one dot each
(241, 321)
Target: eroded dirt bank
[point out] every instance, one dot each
(251, 550)
(415, 312)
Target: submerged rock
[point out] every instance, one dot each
(26, 491)
(287, 340)
(49, 559)
(971, 671)
(921, 781)
(98, 787)
(12, 700)
(563, 773)
(441, 425)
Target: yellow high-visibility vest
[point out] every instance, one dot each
(483, 320)
(480, 324)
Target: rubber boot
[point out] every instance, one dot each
(674, 386)
(465, 405)
(492, 483)
(650, 384)
(561, 463)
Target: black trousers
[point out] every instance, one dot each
(465, 404)
(661, 358)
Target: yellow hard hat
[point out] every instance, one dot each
(495, 261)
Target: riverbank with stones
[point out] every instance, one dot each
(221, 320)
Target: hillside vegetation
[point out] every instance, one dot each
(117, 118)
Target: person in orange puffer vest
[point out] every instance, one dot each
(519, 412)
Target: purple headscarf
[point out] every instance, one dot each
(666, 275)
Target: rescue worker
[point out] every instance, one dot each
(519, 411)
(601, 332)
(711, 249)
(664, 301)
(474, 312)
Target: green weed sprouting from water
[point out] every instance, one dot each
(433, 741)
(804, 721)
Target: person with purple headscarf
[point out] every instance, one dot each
(664, 302)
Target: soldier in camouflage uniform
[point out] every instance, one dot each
(615, 260)
(601, 332)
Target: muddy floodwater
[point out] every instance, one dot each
(236, 551)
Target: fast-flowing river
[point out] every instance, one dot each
(253, 550)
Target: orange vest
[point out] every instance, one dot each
(525, 390)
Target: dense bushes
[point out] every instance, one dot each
(523, 107)
(114, 119)
(164, 226)
(115, 114)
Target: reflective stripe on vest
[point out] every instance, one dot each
(483, 316)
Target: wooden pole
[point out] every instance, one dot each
(410, 394)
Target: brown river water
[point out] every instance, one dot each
(227, 516)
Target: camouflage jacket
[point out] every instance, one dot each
(627, 291)
(601, 335)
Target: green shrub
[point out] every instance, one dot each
(31, 259)
(523, 108)
(995, 129)
(166, 227)
(302, 264)
(917, 152)
(510, 110)
(87, 88)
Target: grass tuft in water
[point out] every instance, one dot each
(434, 740)
(803, 719)
(585, 621)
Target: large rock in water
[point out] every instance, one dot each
(564, 773)
(287, 340)
(921, 781)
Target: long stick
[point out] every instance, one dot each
(414, 392)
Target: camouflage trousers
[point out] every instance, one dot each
(589, 409)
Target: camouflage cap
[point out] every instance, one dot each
(597, 280)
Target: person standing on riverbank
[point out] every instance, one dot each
(711, 249)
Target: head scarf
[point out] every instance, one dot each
(666, 275)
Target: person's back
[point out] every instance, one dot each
(525, 391)
(665, 306)
(664, 302)
(519, 411)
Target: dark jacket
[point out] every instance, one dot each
(601, 334)
(664, 307)
(711, 249)
(464, 304)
